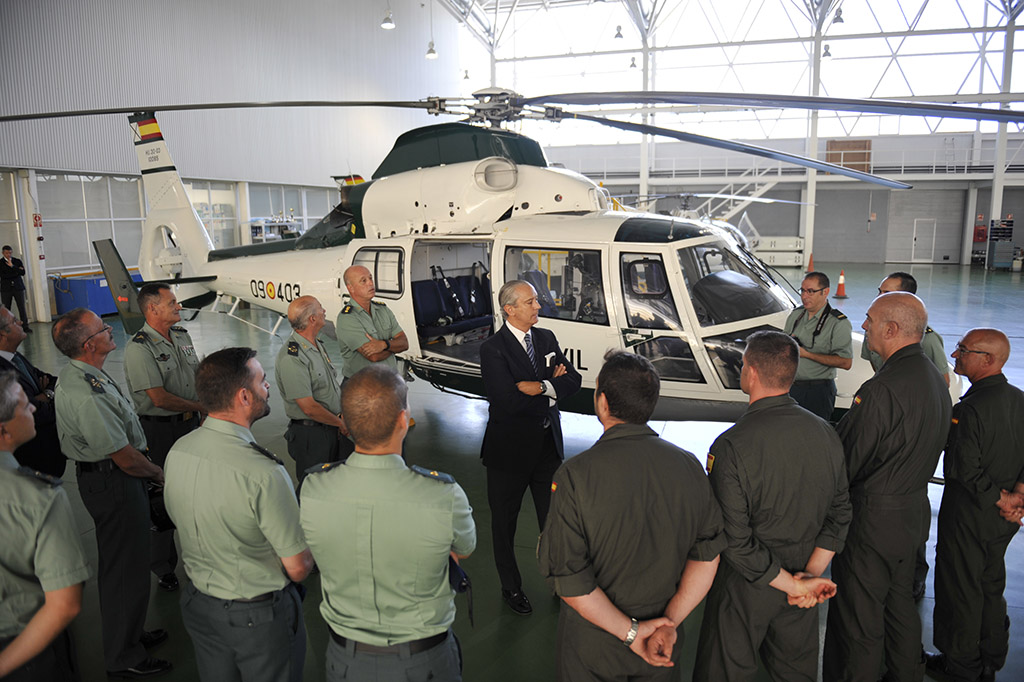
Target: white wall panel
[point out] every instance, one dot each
(946, 208)
(84, 54)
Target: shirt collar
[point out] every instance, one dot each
(154, 334)
(518, 333)
(229, 428)
(7, 461)
(627, 430)
(361, 461)
(7, 355)
(987, 381)
(769, 402)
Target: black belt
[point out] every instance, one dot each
(102, 466)
(260, 597)
(309, 422)
(415, 646)
(180, 417)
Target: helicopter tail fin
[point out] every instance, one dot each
(175, 242)
(123, 289)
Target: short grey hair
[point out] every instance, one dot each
(299, 318)
(507, 294)
(8, 396)
(4, 326)
(69, 334)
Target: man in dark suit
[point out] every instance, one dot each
(42, 453)
(12, 286)
(525, 374)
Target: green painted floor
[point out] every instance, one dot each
(504, 646)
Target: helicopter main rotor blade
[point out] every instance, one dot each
(433, 105)
(875, 106)
(742, 148)
(740, 197)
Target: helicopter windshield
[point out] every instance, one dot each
(728, 285)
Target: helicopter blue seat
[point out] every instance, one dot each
(436, 313)
(540, 284)
(475, 301)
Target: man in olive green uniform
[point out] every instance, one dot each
(42, 561)
(382, 534)
(367, 331)
(309, 387)
(99, 429)
(826, 344)
(892, 437)
(632, 538)
(160, 366)
(984, 472)
(238, 523)
(932, 346)
(776, 453)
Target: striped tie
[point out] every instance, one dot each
(529, 350)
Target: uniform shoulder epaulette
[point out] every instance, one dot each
(52, 481)
(293, 348)
(179, 329)
(140, 337)
(380, 303)
(321, 468)
(94, 381)
(263, 451)
(434, 474)
(838, 314)
(929, 330)
(347, 309)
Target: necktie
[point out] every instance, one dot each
(529, 349)
(20, 363)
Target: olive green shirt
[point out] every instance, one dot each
(931, 344)
(304, 370)
(835, 338)
(151, 361)
(381, 533)
(354, 324)
(41, 550)
(235, 510)
(94, 418)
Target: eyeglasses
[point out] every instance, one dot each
(803, 291)
(106, 328)
(962, 349)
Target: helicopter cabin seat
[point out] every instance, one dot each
(540, 283)
(437, 306)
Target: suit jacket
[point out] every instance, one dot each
(10, 275)
(514, 437)
(42, 452)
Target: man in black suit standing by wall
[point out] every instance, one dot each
(12, 286)
(42, 453)
(525, 374)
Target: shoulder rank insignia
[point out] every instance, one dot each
(434, 474)
(838, 314)
(929, 330)
(52, 481)
(380, 303)
(163, 357)
(140, 337)
(179, 329)
(321, 468)
(95, 382)
(263, 451)
(293, 348)
(346, 310)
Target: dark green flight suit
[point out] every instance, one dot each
(985, 454)
(41, 551)
(626, 515)
(892, 437)
(780, 478)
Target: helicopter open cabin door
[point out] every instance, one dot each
(571, 281)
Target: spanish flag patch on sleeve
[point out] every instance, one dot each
(554, 486)
(856, 400)
(711, 462)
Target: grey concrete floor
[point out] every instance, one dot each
(503, 646)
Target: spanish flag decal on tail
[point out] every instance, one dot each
(149, 130)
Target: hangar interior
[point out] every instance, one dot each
(266, 174)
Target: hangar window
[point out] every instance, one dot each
(386, 266)
(568, 281)
(215, 204)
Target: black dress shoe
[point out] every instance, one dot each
(938, 668)
(517, 601)
(151, 638)
(151, 667)
(168, 582)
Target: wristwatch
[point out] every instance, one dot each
(48, 393)
(387, 344)
(634, 627)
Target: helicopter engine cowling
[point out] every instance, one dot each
(470, 197)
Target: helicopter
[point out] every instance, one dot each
(456, 209)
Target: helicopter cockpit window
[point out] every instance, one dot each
(386, 266)
(649, 303)
(727, 285)
(568, 281)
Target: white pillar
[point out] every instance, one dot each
(999, 165)
(811, 195)
(967, 245)
(37, 296)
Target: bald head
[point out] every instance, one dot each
(300, 310)
(894, 320)
(992, 341)
(984, 352)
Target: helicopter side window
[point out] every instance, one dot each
(568, 281)
(386, 266)
(649, 303)
(725, 286)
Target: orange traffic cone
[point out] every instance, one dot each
(841, 289)
(810, 264)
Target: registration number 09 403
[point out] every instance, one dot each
(285, 291)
